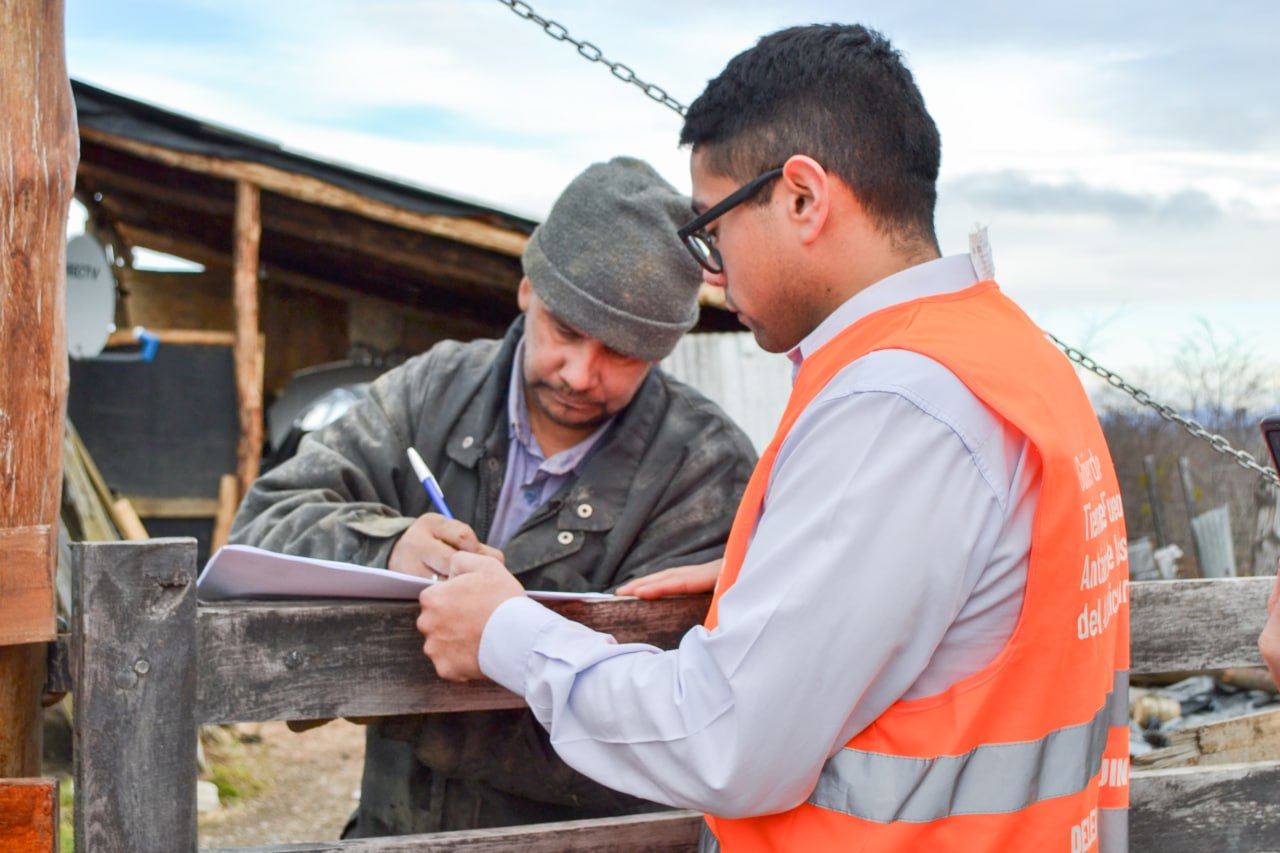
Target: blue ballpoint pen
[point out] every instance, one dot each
(429, 483)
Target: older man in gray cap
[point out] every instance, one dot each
(560, 448)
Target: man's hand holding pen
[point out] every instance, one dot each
(428, 546)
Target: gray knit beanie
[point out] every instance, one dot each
(608, 262)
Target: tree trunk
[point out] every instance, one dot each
(38, 154)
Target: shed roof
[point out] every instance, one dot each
(164, 181)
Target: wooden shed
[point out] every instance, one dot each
(303, 263)
(343, 257)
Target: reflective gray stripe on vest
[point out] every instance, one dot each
(1118, 701)
(707, 841)
(1113, 831)
(994, 778)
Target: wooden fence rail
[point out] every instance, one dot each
(149, 667)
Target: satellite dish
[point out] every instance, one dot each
(91, 297)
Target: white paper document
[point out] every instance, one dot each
(242, 571)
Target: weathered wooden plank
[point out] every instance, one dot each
(87, 512)
(320, 192)
(317, 659)
(673, 832)
(28, 815)
(1252, 737)
(1228, 808)
(307, 660)
(135, 735)
(1197, 624)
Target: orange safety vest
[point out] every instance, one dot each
(1032, 751)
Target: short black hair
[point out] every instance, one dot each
(842, 95)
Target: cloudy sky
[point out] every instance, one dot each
(1125, 156)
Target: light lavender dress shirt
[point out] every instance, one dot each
(888, 562)
(531, 478)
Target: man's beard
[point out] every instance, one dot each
(592, 416)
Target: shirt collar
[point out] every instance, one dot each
(943, 275)
(521, 430)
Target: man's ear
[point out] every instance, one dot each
(523, 294)
(808, 189)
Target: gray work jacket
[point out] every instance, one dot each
(659, 490)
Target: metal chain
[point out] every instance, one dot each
(591, 53)
(1243, 458)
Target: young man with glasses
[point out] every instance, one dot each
(903, 651)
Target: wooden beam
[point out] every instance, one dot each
(660, 832)
(1228, 808)
(321, 230)
(377, 667)
(26, 584)
(403, 287)
(320, 192)
(187, 337)
(427, 254)
(1197, 624)
(29, 815)
(126, 519)
(38, 150)
(296, 660)
(178, 246)
(228, 502)
(23, 670)
(174, 507)
(212, 196)
(468, 319)
(248, 349)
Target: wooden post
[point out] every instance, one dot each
(248, 351)
(228, 501)
(1189, 499)
(38, 154)
(135, 690)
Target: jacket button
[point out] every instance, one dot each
(467, 442)
(584, 510)
(564, 537)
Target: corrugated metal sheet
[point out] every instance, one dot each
(750, 384)
(1212, 532)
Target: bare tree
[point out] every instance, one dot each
(1218, 380)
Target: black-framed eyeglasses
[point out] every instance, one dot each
(701, 244)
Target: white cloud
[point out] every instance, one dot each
(1120, 129)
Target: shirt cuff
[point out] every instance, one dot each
(508, 640)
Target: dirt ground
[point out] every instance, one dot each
(293, 786)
